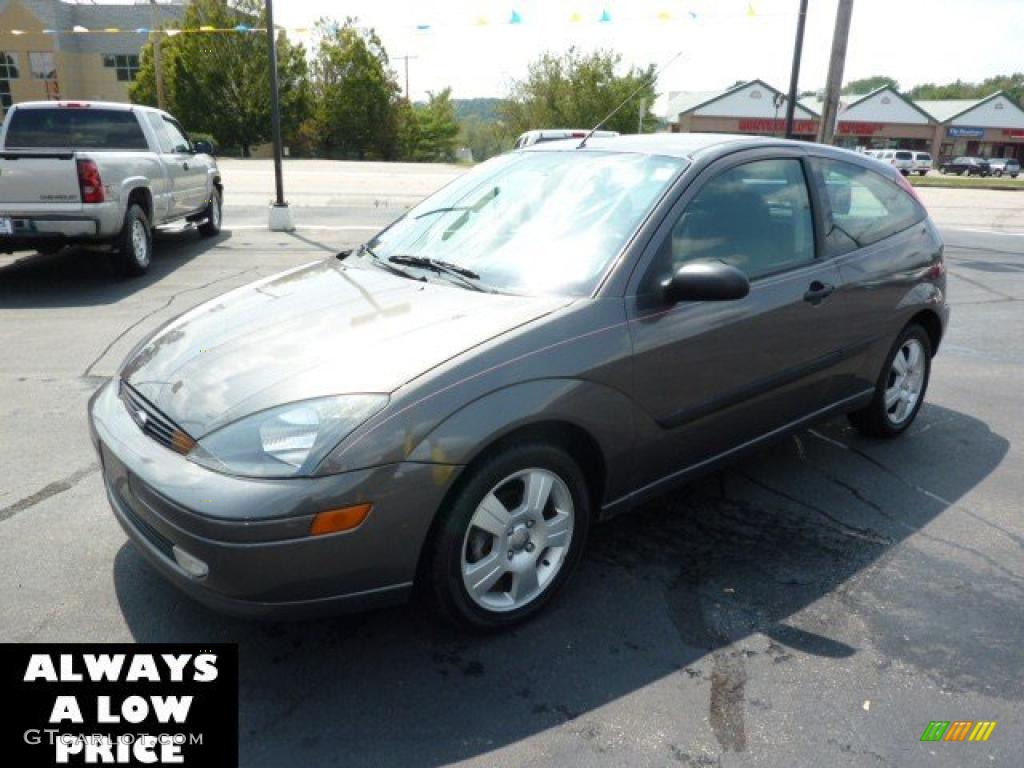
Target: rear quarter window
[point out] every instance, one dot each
(58, 128)
(863, 207)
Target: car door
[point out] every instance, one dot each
(196, 168)
(878, 237)
(713, 376)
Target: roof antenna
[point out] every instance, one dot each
(625, 101)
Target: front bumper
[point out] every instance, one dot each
(253, 535)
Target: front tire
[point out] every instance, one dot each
(134, 247)
(901, 388)
(214, 215)
(510, 538)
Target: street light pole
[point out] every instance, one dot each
(280, 214)
(794, 77)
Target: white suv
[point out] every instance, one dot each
(901, 159)
(922, 163)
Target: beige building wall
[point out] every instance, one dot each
(80, 75)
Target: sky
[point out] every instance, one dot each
(471, 47)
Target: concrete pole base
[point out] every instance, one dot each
(281, 219)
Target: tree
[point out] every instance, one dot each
(485, 138)
(577, 90)
(869, 84)
(219, 82)
(436, 129)
(1013, 85)
(356, 93)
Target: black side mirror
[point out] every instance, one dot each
(705, 281)
(203, 148)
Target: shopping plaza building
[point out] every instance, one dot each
(55, 50)
(988, 127)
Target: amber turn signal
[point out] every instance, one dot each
(337, 520)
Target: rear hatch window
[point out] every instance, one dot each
(83, 128)
(904, 156)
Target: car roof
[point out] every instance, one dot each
(685, 145)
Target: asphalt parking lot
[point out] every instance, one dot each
(817, 604)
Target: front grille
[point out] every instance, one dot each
(154, 423)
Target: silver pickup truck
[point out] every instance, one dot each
(101, 174)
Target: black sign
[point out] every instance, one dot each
(146, 704)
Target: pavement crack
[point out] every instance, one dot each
(982, 286)
(844, 528)
(994, 564)
(47, 491)
(161, 308)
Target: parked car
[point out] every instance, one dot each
(551, 339)
(1004, 166)
(966, 166)
(901, 159)
(922, 163)
(101, 174)
(557, 134)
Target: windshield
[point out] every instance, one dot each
(535, 222)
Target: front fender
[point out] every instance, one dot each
(604, 413)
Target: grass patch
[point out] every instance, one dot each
(936, 179)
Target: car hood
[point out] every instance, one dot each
(321, 329)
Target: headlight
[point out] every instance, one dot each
(285, 441)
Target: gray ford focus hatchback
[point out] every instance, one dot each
(554, 337)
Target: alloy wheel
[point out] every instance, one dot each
(517, 540)
(905, 382)
(140, 242)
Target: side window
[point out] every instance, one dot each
(178, 138)
(756, 217)
(863, 206)
(163, 139)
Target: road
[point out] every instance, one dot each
(816, 604)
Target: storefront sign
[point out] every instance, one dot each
(958, 132)
(1013, 133)
(858, 128)
(768, 125)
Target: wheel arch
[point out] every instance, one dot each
(932, 324)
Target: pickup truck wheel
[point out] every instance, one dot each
(211, 226)
(135, 243)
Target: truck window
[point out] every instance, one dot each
(67, 128)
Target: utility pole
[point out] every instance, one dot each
(158, 66)
(830, 112)
(798, 48)
(406, 60)
(280, 214)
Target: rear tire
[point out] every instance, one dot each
(901, 386)
(487, 571)
(214, 215)
(134, 246)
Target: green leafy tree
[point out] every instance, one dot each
(485, 138)
(436, 129)
(356, 93)
(869, 84)
(219, 82)
(577, 90)
(1013, 85)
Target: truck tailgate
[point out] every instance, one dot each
(31, 180)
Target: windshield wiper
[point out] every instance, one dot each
(467, 276)
(386, 266)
